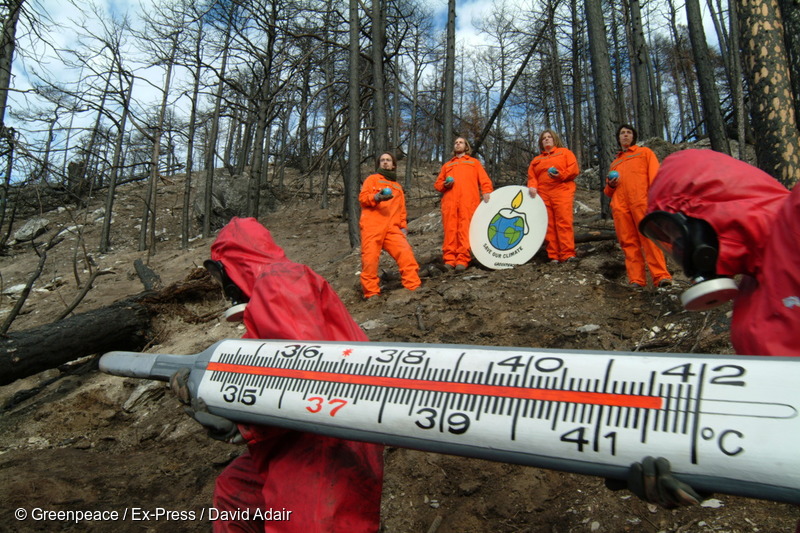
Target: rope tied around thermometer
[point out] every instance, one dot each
(728, 424)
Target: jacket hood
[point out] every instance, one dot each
(245, 248)
(738, 200)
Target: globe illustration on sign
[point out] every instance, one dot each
(505, 233)
(508, 226)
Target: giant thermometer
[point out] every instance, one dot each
(726, 423)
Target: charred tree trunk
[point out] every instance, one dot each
(448, 131)
(715, 125)
(644, 105)
(381, 136)
(122, 326)
(352, 178)
(774, 122)
(211, 142)
(737, 88)
(790, 13)
(576, 141)
(186, 226)
(603, 94)
(105, 235)
(8, 43)
(596, 235)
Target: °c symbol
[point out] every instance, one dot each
(722, 437)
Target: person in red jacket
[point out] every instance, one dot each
(755, 231)
(551, 175)
(328, 484)
(720, 217)
(384, 227)
(462, 182)
(631, 176)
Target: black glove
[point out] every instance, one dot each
(652, 481)
(217, 427)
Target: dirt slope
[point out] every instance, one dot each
(87, 441)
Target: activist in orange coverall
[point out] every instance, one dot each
(383, 227)
(462, 182)
(552, 175)
(636, 167)
(328, 484)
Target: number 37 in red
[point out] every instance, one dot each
(318, 403)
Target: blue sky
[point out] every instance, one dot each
(62, 34)
(64, 14)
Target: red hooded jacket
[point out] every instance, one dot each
(757, 221)
(328, 484)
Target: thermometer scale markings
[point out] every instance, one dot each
(550, 392)
(701, 376)
(594, 398)
(565, 410)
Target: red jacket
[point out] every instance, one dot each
(330, 484)
(282, 293)
(757, 221)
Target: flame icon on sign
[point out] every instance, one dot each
(517, 201)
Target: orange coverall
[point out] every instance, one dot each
(558, 195)
(459, 203)
(637, 167)
(381, 224)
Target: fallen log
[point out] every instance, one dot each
(124, 325)
(596, 235)
(150, 279)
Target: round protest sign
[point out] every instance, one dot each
(508, 229)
